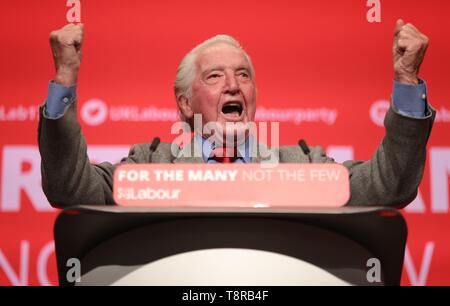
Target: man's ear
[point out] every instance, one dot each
(185, 106)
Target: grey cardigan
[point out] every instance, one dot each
(390, 178)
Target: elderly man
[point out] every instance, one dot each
(216, 80)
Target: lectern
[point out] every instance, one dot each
(240, 246)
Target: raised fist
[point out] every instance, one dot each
(66, 46)
(409, 50)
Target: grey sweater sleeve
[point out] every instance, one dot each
(68, 177)
(393, 174)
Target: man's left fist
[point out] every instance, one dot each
(408, 52)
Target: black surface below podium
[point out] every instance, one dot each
(112, 242)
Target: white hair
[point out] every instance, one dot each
(186, 70)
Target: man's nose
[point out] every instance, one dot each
(232, 85)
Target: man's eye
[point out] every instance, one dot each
(243, 74)
(214, 76)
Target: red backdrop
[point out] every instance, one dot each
(320, 66)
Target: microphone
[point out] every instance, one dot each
(155, 143)
(305, 149)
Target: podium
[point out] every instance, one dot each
(262, 246)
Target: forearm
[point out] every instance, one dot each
(391, 177)
(68, 178)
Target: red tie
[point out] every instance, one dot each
(224, 155)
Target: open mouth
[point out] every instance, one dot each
(233, 109)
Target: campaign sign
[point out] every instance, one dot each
(231, 185)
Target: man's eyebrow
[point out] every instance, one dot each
(221, 68)
(246, 68)
(243, 68)
(212, 69)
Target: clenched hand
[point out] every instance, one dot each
(409, 50)
(66, 44)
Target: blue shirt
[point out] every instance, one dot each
(59, 98)
(243, 150)
(409, 100)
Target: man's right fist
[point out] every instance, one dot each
(66, 46)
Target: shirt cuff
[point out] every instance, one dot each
(411, 100)
(59, 99)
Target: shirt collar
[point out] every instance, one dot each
(243, 150)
